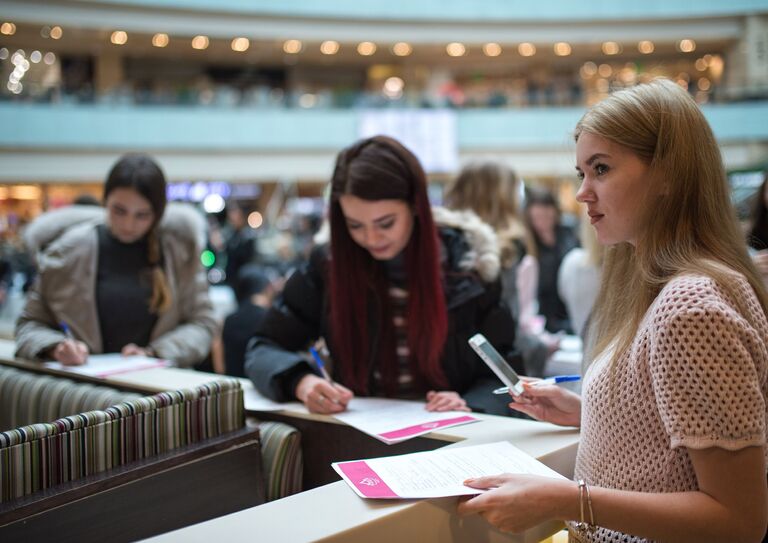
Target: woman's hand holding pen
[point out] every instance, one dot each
(70, 352)
(322, 396)
(445, 400)
(548, 403)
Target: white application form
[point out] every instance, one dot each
(439, 473)
(104, 365)
(392, 421)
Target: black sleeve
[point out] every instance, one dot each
(6, 272)
(290, 325)
(498, 325)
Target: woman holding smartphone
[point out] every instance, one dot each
(673, 412)
(396, 294)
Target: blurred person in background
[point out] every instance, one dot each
(240, 244)
(757, 235)
(86, 200)
(395, 295)
(255, 292)
(125, 278)
(491, 190)
(552, 241)
(578, 280)
(6, 276)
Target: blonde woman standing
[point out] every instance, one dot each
(673, 413)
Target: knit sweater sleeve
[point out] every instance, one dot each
(708, 366)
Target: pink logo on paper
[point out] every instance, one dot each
(365, 480)
(404, 433)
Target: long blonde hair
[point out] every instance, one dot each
(691, 227)
(490, 189)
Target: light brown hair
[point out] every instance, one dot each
(689, 226)
(491, 190)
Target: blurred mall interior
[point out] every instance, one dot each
(250, 100)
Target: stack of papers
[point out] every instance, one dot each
(392, 421)
(105, 365)
(436, 474)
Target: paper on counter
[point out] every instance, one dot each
(256, 402)
(105, 365)
(392, 421)
(436, 474)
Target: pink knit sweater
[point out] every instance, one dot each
(695, 376)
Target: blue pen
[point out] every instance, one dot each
(557, 379)
(66, 330)
(320, 365)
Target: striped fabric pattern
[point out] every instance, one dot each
(282, 459)
(28, 398)
(40, 456)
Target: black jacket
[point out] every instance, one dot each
(301, 315)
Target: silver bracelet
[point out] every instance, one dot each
(583, 527)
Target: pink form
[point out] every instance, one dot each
(418, 429)
(365, 480)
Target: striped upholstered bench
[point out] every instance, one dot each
(125, 449)
(43, 455)
(27, 398)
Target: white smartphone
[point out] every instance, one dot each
(496, 362)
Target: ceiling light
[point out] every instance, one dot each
(646, 47)
(492, 49)
(292, 46)
(160, 40)
(456, 49)
(402, 49)
(200, 42)
(329, 47)
(119, 37)
(562, 49)
(366, 48)
(686, 46)
(611, 48)
(526, 49)
(241, 44)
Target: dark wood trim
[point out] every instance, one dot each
(148, 497)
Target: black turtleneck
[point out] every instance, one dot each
(123, 291)
(396, 269)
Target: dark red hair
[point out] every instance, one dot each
(380, 168)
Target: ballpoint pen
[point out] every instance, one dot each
(66, 330)
(557, 379)
(320, 365)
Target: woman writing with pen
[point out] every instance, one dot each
(127, 279)
(673, 406)
(395, 294)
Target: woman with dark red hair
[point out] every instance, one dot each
(396, 294)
